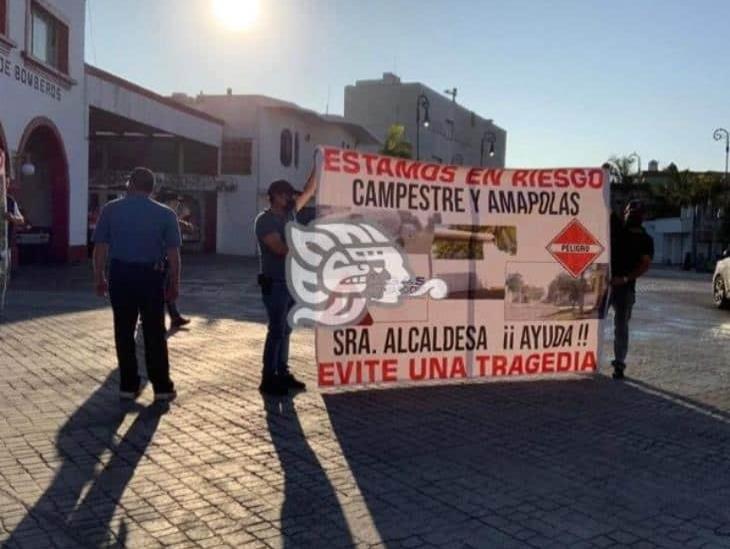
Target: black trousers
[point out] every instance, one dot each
(138, 290)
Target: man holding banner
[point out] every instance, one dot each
(631, 259)
(270, 228)
(422, 272)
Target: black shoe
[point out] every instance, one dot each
(618, 370)
(291, 382)
(274, 387)
(179, 321)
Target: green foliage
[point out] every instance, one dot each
(514, 282)
(685, 188)
(505, 237)
(396, 144)
(564, 289)
(625, 168)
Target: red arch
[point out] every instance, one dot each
(60, 192)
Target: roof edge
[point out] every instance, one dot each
(131, 86)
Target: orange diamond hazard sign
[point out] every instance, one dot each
(575, 248)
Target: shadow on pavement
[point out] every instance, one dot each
(536, 463)
(77, 508)
(305, 484)
(213, 287)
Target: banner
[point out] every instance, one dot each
(420, 272)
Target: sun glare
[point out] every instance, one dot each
(236, 14)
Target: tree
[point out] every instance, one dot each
(514, 284)
(566, 289)
(505, 237)
(624, 166)
(396, 144)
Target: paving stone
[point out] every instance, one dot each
(550, 463)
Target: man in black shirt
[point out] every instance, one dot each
(632, 250)
(270, 228)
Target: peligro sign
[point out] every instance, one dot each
(29, 78)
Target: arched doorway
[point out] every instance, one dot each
(44, 196)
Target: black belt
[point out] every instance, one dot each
(156, 266)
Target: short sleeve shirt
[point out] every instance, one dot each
(137, 229)
(271, 264)
(631, 246)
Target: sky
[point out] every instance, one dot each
(572, 81)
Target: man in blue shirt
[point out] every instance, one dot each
(136, 234)
(270, 224)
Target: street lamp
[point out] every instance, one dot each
(638, 162)
(24, 165)
(720, 134)
(491, 138)
(425, 104)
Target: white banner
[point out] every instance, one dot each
(522, 256)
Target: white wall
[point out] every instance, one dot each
(236, 213)
(671, 241)
(19, 103)
(272, 123)
(262, 120)
(113, 96)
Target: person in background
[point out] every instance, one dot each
(137, 234)
(91, 220)
(285, 201)
(632, 250)
(176, 319)
(14, 218)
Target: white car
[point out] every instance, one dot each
(721, 282)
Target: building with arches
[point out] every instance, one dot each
(42, 124)
(72, 133)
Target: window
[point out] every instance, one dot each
(285, 148)
(48, 39)
(296, 150)
(449, 129)
(236, 157)
(3, 17)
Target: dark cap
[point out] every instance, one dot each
(142, 179)
(282, 186)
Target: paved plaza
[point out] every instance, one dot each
(585, 462)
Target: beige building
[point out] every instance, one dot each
(447, 132)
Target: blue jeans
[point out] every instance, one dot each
(622, 301)
(278, 302)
